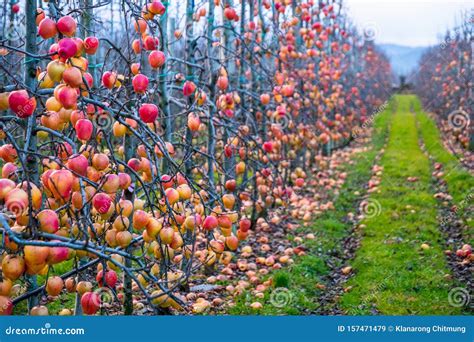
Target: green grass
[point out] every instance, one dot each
(459, 181)
(393, 274)
(66, 301)
(300, 279)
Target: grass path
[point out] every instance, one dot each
(309, 278)
(460, 182)
(394, 274)
(399, 266)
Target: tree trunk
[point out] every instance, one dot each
(164, 100)
(32, 166)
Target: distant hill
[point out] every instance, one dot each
(404, 59)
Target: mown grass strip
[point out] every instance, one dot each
(330, 229)
(394, 275)
(459, 181)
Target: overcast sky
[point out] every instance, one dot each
(407, 22)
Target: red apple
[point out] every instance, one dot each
(47, 28)
(57, 255)
(67, 48)
(100, 161)
(156, 7)
(91, 44)
(16, 8)
(167, 181)
(90, 302)
(78, 163)
(189, 88)
(230, 13)
(148, 112)
(193, 122)
(60, 183)
(134, 164)
(156, 59)
(36, 255)
(67, 25)
(111, 183)
(210, 223)
(48, 221)
(124, 180)
(222, 82)
(102, 202)
(73, 77)
(6, 304)
(110, 278)
(265, 99)
(9, 170)
(84, 129)
(231, 185)
(6, 185)
(244, 225)
(232, 242)
(21, 104)
(172, 195)
(267, 146)
(13, 266)
(109, 78)
(140, 83)
(150, 43)
(54, 286)
(299, 182)
(67, 96)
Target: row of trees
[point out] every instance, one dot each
(141, 141)
(445, 81)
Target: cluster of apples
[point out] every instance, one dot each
(320, 65)
(445, 75)
(465, 253)
(66, 73)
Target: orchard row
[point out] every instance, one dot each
(445, 82)
(140, 147)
